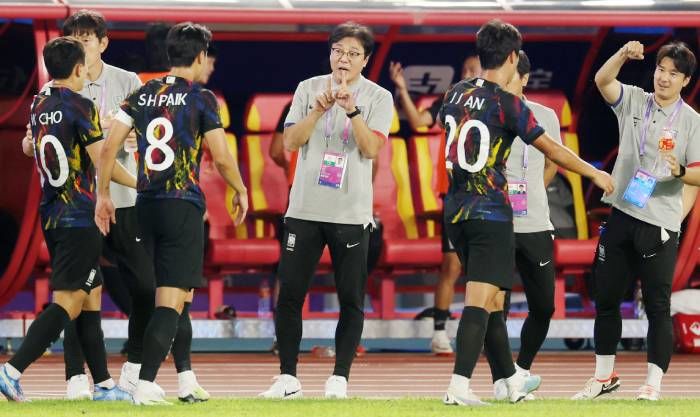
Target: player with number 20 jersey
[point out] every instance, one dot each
(170, 116)
(481, 122)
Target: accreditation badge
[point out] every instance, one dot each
(640, 188)
(332, 171)
(517, 194)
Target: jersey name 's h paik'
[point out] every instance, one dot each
(170, 116)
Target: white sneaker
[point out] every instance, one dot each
(648, 393)
(129, 377)
(595, 388)
(285, 386)
(516, 388)
(189, 389)
(78, 388)
(440, 344)
(336, 387)
(530, 384)
(500, 390)
(455, 396)
(149, 393)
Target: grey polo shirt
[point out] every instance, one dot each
(537, 218)
(107, 92)
(664, 208)
(352, 202)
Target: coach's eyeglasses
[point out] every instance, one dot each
(339, 53)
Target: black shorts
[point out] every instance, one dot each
(129, 253)
(75, 253)
(172, 232)
(487, 250)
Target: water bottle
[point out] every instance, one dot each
(264, 300)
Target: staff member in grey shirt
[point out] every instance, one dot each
(527, 169)
(657, 130)
(338, 122)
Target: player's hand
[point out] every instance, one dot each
(28, 142)
(604, 181)
(633, 50)
(396, 75)
(343, 96)
(104, 214)
(325, 100)
(673, 163)
(240, 207)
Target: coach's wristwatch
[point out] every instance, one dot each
(681, 172)
(354, 113)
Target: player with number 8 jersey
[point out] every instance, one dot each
(169, 116)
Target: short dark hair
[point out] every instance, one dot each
(61, 55)
(353, 30)
(85, 22)
(212, 51)
(683, 58)
(185, 41)
(523, 63)
(495, 40)
(156, 49)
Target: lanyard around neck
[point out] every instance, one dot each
(330, 116)
(647, 120)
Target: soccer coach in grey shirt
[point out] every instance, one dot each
(530, 171)
(641, 236)
(339, 122)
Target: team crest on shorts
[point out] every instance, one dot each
(291, 241)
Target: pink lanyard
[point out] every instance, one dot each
(329, 128)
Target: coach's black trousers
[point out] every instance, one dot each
(630, 248)
(301, 250)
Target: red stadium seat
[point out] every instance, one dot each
(404, 250)
(572, 257)
(229, 248)
(423, 157)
